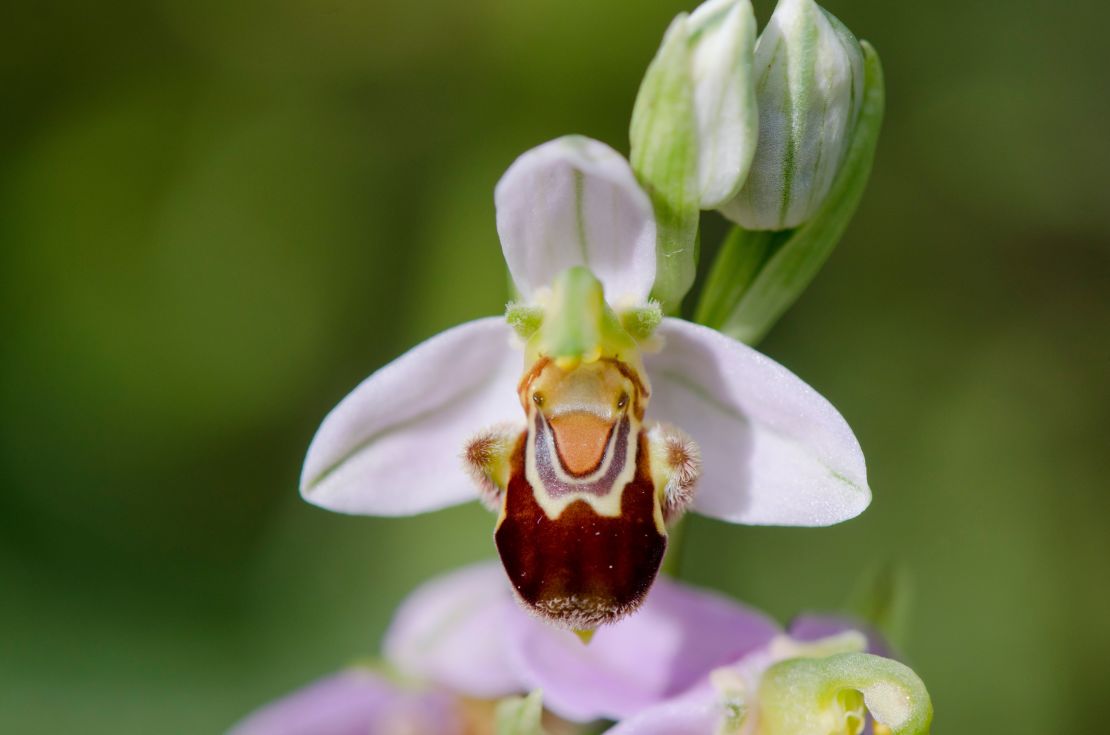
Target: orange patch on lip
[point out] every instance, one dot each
(580, 440)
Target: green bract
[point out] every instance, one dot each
(520, 715)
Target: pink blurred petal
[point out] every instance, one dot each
(697, 713)
(674, 641)
(813, 627)
(352, 702)
(451, 631)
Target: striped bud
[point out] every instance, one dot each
(809, 87)
(693, 130)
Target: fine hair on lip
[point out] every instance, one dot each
(581, 612)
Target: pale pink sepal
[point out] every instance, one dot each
(774, 451)
(392, 446)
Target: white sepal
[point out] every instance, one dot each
(575, 201)
(774, 451)
(392, 446)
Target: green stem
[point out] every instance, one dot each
(672, 562)
(792, 267)
(742, 255)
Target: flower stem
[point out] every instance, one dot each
(672, 562)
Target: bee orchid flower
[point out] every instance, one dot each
(585, 419)
(355, 701)
(459, 647)
(459, 644)
(464, 632)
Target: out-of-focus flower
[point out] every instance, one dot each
(585, 484)
(809, 80)
(447, 662)
(460, 643)
(356, 701)
(829, 686)
(465, 631)
(813, 627)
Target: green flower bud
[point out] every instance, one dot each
(820, 696)
(809, 88)
(758, 274)
(694, 128)
(721, 37)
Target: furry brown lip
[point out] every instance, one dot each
(581, 570)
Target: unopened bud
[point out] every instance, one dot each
(694, 130)
(809, 86)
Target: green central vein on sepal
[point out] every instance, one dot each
(580, 214)
(800, 71)
(700, 393)
(312, 483)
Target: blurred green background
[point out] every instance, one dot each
(216, 218)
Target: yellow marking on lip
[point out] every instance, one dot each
(585, 635)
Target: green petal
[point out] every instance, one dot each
(520, 715)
